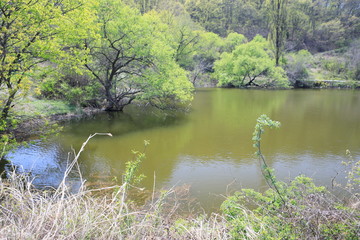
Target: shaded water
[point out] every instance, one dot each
(210, 148)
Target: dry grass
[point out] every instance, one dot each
(27, 213)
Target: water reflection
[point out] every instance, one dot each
(210, 148)
(46, 162)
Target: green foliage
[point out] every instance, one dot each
(333, 65)
(272, 219)
(182, 36)
(277, 77)
(261, 122)
(353, 60)
(7, 141)
(208, 50)
(316, 25)
(132, 60)
(130, 176)
(207, 13)
(30, 38)
(209, 46)
(222, 17)
(37, 36)
(76, 89)
(353, 173)
(232, 40)
(247, 62)
(296, 67)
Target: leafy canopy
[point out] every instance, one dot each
(34, 32)
(132, 59)
(247, 62)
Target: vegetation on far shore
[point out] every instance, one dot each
(107, 54)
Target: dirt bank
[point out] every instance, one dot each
(42, 125)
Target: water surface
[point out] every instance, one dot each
(209, 149)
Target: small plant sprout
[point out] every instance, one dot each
(132, 167)
(262, 122)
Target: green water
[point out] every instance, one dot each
(209, 149)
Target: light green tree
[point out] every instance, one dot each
(232, 40)
(132, 59)
(34, 32)
(246, 63)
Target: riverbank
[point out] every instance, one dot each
(36, 117)
(327, 84)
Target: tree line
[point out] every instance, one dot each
(315, 25)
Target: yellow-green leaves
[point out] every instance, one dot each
(262, 122)
(132, 58)
(246, 63)
(35, 32)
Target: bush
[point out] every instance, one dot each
(296, 67)
(74, 88)
(309, 212)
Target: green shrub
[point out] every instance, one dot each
(297, 66)
(76, 89)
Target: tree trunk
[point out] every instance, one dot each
(7, 107)
(117, 105)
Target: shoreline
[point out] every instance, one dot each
(39, 125)
(32, 125)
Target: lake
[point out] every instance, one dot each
(208, 150)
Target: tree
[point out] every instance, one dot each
(249, 17)
(208, 13)
(132, 60)
(278, 26)
(208, 50)
(246, 63)
(34, 32)
(182, 37)
(232, 40)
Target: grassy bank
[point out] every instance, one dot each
(41, 117)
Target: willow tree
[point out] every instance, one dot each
(246, 63)
(131, 59)
(33, 32)
(277, 10)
